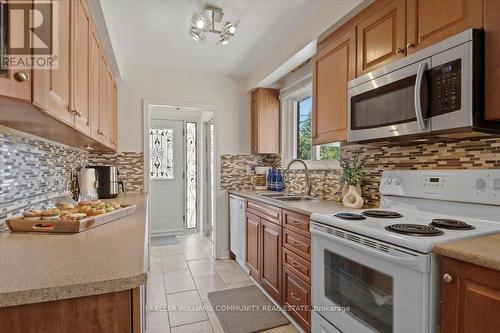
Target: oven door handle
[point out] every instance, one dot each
(422, 123)
(410, 261)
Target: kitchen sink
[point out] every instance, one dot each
(294, 198)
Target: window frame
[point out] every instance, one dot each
(290, 97)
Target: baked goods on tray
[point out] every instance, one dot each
(69, 212)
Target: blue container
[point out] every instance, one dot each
(279, 181)
(270, 179)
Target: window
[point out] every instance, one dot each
(162, 153)
(305, 149)
(191, 179)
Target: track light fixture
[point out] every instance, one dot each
(207, 22)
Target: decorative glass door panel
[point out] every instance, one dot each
(367, 292)
(162, 153)
(191, 177)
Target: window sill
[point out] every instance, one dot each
(317, 165)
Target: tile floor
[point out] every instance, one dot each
(182, 275)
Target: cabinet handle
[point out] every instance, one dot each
(22, 76)
(447, 278)
(76, 113)
(100, 132)
(295, 297)
(410, 45)
(400, 50)
(295, 222)
(295, 243)
(295, 265)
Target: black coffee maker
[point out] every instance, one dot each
(107, 181)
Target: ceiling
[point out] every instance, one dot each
(155, 32)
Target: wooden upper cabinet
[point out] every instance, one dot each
(381, 35)
(265, 110)
(333, 66)
(470, 298)
(431, 21)
(94, 85)
(51, 88)
(15, 83)
(103, 98)
(111, 110)
(81, 25)
(492, 60)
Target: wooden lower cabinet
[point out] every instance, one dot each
(115, 312)
(270, 277)
(470, 298)
(253, 244)
(297, 299)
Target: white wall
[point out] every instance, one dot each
(232, 116)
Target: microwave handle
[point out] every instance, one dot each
(410, 261)
(422, 124)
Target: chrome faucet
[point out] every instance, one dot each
(308, 179)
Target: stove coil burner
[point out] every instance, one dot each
(415, 230)
(451, 224)
(381, 214)
(350, 216)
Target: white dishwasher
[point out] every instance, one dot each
(237, 226)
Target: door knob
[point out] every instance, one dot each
(22, 76)
(447, 278)
(410, 45)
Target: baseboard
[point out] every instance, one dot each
(222, 255)
(294, 323)
(166, 233)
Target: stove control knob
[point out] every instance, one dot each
(397, 180)
(495, 184)
(479, 183)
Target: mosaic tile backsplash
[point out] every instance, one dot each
(130, 166)
(32, 172)
(326, 184)
(235, 168)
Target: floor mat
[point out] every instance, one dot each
(164, 240)
(245, 310)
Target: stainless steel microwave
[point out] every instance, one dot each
(437, 90)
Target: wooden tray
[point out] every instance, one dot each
(19, 224)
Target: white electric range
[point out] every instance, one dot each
(375, 271)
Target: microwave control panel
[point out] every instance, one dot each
(446, 87)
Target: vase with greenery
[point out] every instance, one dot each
(352, 176)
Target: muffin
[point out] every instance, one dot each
(75, 216)
(84, 203)
(98, 204)
(96, 211)
(84, 209)
(50, 214)
(35, 214)
(65, 206)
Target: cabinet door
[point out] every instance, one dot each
(254, 128)
(253, 244)
(333, 67)
(111, 108)
(381, 36)
(470, 298)
(430, 21)
(94, 86)
(270, 273)
(492, 60)
(103, 98)
(80, 88)
(13, 83)
(51, 88)
(265, 121)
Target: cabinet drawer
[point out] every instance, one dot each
(297, 265)
(297, 244)
(297, 223)
(268, 212)
(297, 299)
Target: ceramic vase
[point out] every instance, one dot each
(353, 198)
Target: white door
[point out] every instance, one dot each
(167, 172)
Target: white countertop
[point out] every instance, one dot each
(44, 267)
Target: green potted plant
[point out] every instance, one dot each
(352, 176)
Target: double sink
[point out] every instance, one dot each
(287, 196)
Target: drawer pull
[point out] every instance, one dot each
(295, 297)
(294, 265)
(295, 243)
(296, 222)
(447, 278)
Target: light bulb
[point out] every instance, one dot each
(232, 29)
(224, 42)
(200, 23)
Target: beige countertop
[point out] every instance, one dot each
(483, 251)
(44, 267)
(306, 207)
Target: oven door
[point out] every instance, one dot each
(392, 105)
(362, 285)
